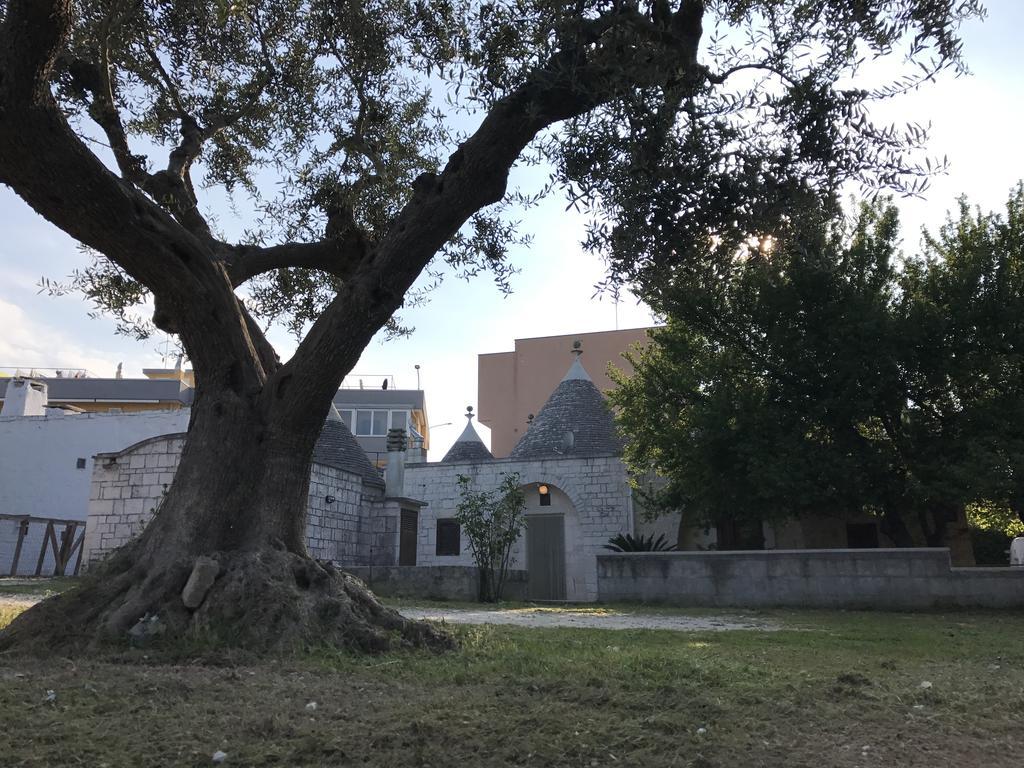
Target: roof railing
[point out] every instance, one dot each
(368, 381)
(35, 372)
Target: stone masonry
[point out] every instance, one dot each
(599, 507)
(349, 521)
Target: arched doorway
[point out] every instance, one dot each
(546, 508)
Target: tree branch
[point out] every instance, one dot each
(341, 250)
(336, 256)
(172, 187)
(39, 152)
(717, 78)
(573, 82)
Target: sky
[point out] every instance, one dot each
(976, 121)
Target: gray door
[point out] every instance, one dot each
(545, 556)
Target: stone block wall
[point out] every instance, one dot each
(435, 582)
(46, 462)
(336, 530)
(128, 486)
(897, 579)
(597, 488)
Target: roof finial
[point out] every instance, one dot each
(469, 412)
(577, 348)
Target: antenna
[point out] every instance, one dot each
(167, 350)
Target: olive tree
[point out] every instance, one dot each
(370, 142)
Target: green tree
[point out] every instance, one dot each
(823, 375)
(492, 521)
(965, 319)
(755, 402)
(121, 119)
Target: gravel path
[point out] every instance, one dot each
(597, 619)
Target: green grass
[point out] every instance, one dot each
(814, 694)
(35, 588)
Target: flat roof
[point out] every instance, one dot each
(570, 336)
(175, 390)
(383, 398)
(113, 390)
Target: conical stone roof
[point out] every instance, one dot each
(469, 447)
(575, 421)
(337, 447)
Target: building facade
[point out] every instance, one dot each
(368, 412)
(577, 490)
(512, 386)
(351, 519)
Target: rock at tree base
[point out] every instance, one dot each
(265, 601)
(204, 573)
(147, 628)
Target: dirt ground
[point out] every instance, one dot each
(588, 618)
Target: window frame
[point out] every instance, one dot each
(375, 415)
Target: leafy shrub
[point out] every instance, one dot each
(492, 520)
(990, 546)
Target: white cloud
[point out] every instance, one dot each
(25, 342)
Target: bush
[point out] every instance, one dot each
(990, 546)
(492, 521)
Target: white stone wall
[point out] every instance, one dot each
(40, 476)
(597, 489)
(336, 531)
(39, 455)
(128, 486)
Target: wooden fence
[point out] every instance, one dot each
(64, 545)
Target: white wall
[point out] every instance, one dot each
(38, 456)
(596, 488)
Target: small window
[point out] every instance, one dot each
(545, 496)
(346, 416)
(80, 463)
(380, 423)
(448, 537)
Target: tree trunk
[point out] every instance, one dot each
(239, 498)
(486, 586)
(895, 527)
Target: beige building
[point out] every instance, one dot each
(512, 386)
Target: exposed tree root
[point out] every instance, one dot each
(267, 601)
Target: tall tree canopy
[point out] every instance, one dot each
(372, 139)
(824, 375)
